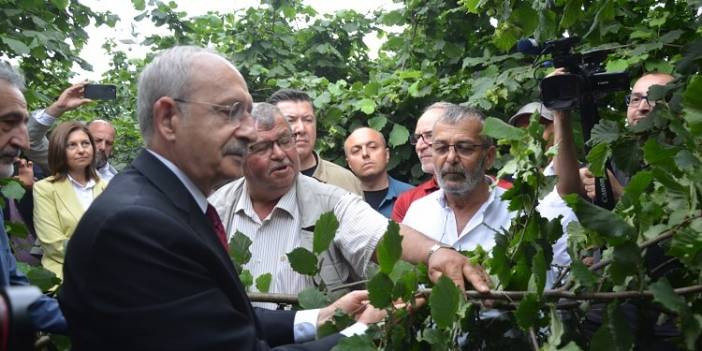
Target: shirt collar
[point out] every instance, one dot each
(89, 185)
(199, 197)
(287, 203)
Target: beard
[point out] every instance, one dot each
(100, 159)
(471, 178)
(7, 159)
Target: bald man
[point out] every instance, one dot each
(367, 155)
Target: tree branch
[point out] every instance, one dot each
(511, 295)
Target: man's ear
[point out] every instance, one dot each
(387, 155)
(490, 155)
(166, 117)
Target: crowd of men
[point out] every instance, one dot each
(147, 266)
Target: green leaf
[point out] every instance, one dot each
(582, 274)
(473, 5)
(246, 278)
(42, 278)
(638, 184)
(603, 221)
(17, 230)
(18, 47)
(380, 290)
(239, 249)
(657, 154)
(311, 298)
(687, 161)
(324, 231)
(626, 261)
(367, 106)
(571, 12)
(355, 343)
(60, 4)
(614, 334)
(618, 65)
(499, 130)
(12, 189)
(597, 157)
(664, 294)
(399, 135)
(263, 282)
(303, 261)
(691, 328)
(377, 122)
(444, 302)
(538, 270)
(139, 5)
(605, 131)
(554, 340)
(527, 312)
(389, 248)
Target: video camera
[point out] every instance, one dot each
(582, 86)
(16, 329)
(586, 76)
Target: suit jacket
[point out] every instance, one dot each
(146, 271)
(56, 214)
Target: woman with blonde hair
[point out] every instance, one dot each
(61, 199)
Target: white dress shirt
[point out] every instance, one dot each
(84, 193)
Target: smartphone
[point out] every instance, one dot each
(100, 91)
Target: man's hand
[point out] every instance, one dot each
(588, 181)
(70, 99)
(456, 266)
(355, 304)
(25, 173)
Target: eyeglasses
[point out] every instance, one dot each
(83, 145)
(234, 111)
(464, 149)
(635, 100)
(426, 137)
(285, 142)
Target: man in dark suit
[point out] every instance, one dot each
(146, 268)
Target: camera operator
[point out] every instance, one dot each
(44, 312)
(638, 108)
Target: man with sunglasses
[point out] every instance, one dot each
(638, 108)
(277, 207)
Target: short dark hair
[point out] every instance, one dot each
(58, 142)
(289, 95)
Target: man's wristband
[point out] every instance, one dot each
(434, 248)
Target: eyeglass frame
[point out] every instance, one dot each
(627, 101)
(414, 138)
(474, 148)
(270, 143)
(234, 115)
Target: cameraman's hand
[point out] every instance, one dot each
(558, 71)
(25, 173)
(70, 99)
(588, 181)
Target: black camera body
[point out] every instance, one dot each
(585, 81)
(16, 329)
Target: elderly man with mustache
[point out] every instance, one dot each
(277, 207)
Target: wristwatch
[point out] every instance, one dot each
(434, 248)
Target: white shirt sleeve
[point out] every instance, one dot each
(44, 118)
(305, 325)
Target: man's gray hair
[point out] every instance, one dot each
(168, 74)
(455, 114)
(12, 76)
(441, 105)
(264, 115)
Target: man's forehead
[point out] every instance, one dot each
(644, 83)
(465, 130)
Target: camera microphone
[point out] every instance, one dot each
(529, 46)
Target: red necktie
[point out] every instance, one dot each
(217, 224)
